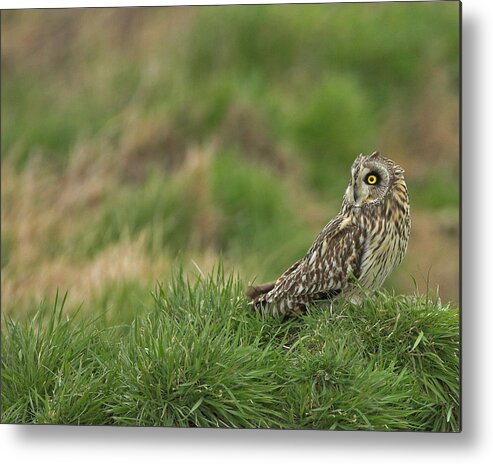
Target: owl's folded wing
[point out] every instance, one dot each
(329, 267)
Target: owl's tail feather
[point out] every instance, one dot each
(257, 293)
(254, 291)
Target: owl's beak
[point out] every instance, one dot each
(356, 198)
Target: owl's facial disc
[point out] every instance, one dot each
(370, 182)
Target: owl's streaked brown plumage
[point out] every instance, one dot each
(358, 249)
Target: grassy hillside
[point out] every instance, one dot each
(133, 139)
(201, 358)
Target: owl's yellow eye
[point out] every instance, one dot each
(371, 179)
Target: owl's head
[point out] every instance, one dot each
(372, 179)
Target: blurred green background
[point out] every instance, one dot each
(134, 138)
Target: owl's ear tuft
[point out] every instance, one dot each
(375, 154)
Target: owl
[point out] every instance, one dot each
(355, 251)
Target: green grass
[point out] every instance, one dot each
(198, 356)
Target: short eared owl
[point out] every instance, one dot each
(358, 249)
